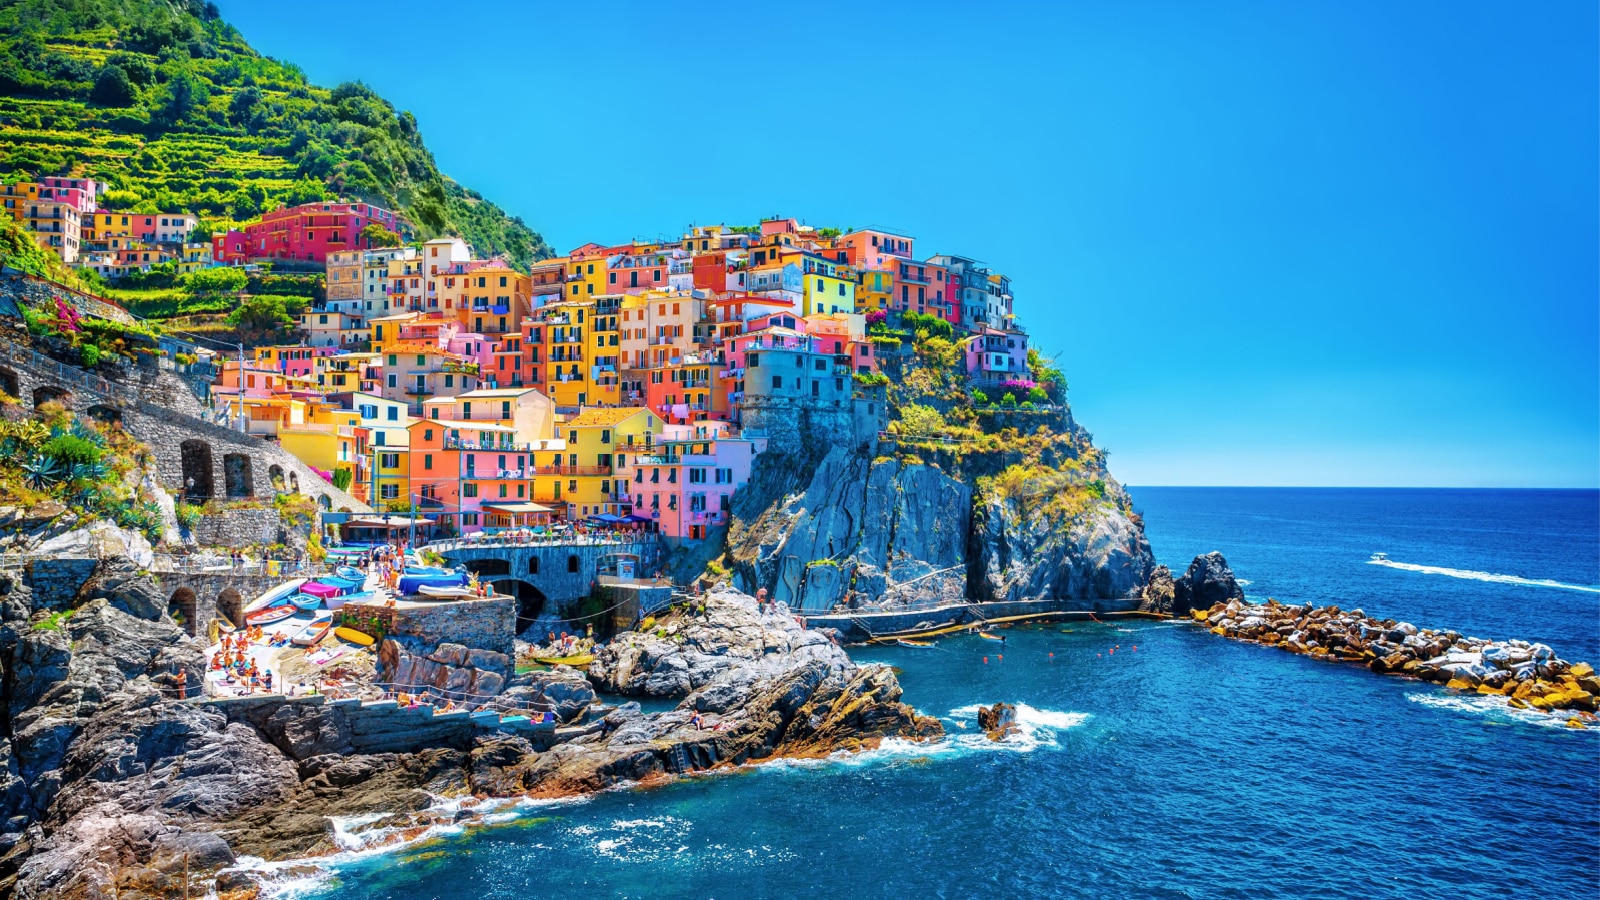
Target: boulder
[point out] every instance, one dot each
(1207, 582)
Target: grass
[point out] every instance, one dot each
(54, 621)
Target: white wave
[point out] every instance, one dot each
(1244, 582)
(1488, 705)
(1493, 577)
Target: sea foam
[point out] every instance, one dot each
(1494, 577)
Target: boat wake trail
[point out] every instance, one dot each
(1493, 577)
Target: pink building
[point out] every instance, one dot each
(230, 249)
(995, 354)
(81, 192)
(687, 486)
(871, 248)
(310, 231)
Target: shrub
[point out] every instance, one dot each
(1038, 395)
(1027, 404)
(71, 449)
(874, 379)
(648, 623)
(188, 515)
(1009, 399)
(221, 280)
(89, 354)
(342, 478)
(917, 420)
(979, 398)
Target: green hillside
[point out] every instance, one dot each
(170, 105)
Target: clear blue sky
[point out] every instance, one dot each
(1337, 243)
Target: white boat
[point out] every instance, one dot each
(342, 599)
(1379, 557)
(444, 592)
(281, 592)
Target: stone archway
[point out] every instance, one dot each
(324, 502)
(181, 608)
(489, 568)
(105, 415)
(51, 394)
(294, 481)
(198, 479)
(238, 478)
(275, 476)
(531, 601)
(9, 385)
(230, 605)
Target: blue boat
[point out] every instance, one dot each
(350, 573)
(305, 602)
(345, 585)
(426, 570)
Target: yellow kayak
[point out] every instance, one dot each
(577, 661)
(353, 636)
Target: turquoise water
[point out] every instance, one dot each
(1190, 767)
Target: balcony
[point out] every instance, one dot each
(419, 390)
(454, 443)
(498, 475)
(573, 470)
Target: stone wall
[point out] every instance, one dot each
(37, 292)
(241, 527)
(799, 426)
(488, 624)
(197, 598)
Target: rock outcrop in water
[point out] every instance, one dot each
(1207, 582)
(1529, 676)
(110, 787)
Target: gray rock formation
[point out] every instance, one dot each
(886, 530)
(1101, 555)
(725, 650)
(563, 689)
(1208, 582)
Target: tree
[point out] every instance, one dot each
(184, 94)
(113, 87)
(917, 420)
(379, 236)
(220, 280)
(261, 314)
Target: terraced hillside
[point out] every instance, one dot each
(169, 105)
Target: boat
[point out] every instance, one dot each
(1379, 557)
(446, 592)
(916, 645)
(353, 636)
(270, 614)
(582, 659)
(314, 632)
(990, 636)
(305, 602)
(342, 599)
(426, 570)
(270, 598)
(350, 572)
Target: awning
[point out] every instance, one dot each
(517, 508)
(635, 517)
(606, 518)
(390, 522)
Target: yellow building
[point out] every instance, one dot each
(14, 198)
(326, 441)
(875, 290)
(828, 292)
(589, 476)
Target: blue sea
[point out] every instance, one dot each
(1180, 765)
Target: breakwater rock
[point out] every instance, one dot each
(1529, 676)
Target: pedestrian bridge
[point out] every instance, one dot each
(549, 576)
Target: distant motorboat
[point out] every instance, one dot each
(916, 645)
(1379, 557)
(271, 597)
(991, 637)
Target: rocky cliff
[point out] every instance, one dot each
(855, 530)
(112, 787)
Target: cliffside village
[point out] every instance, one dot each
(627, 385)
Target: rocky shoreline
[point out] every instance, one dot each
(1528, 675)
(112, 788)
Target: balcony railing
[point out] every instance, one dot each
(573, 470)
(498, 474)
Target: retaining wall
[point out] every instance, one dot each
(386, 727)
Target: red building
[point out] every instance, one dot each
(229, 249)
(311, 231)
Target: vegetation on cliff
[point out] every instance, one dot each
(177, 113)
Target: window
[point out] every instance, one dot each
(389, 460)
(753, 360)
(469, 490)
(572, 564)
(427, 460)
(777, 382)
(394, 413)
(389, 491)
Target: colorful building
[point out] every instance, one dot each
(310, 231)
